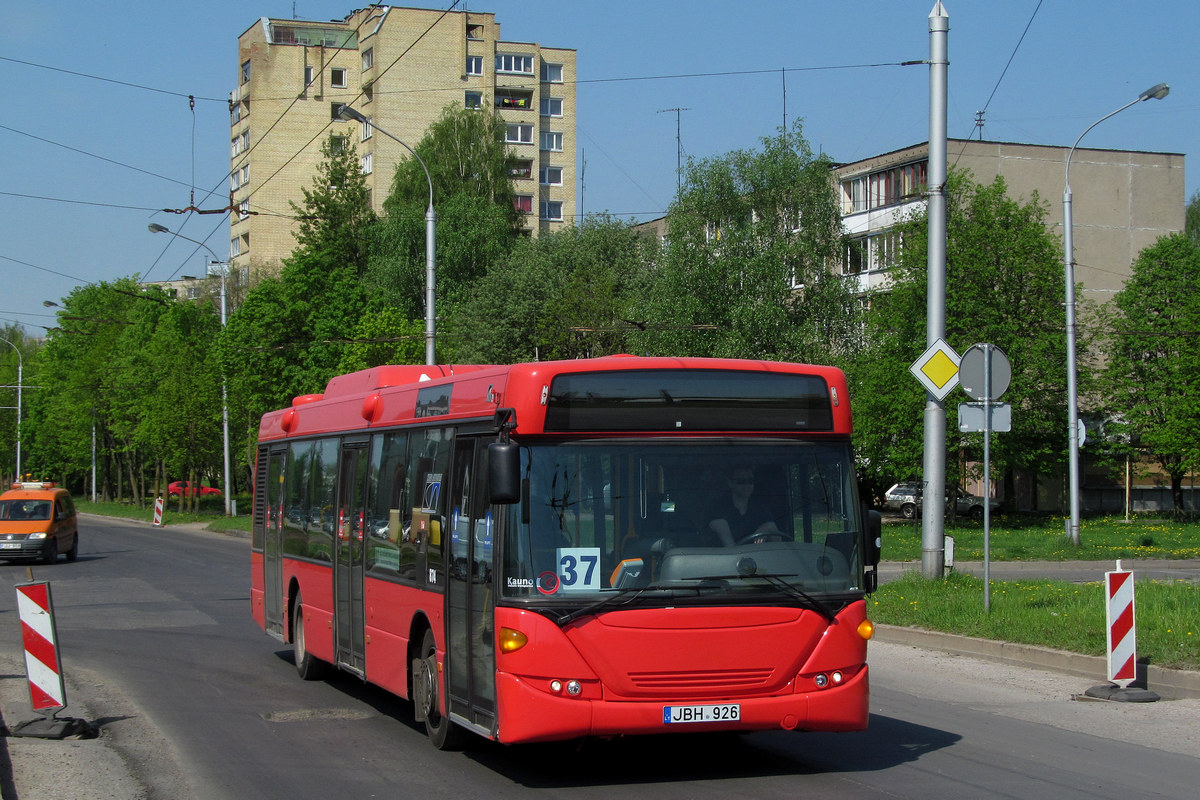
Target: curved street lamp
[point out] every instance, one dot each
(348, 113)
(154, 227)
(20, 382)
(1156, 92)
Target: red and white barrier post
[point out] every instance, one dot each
(42, 662)
(1122, 627)
(43, 666)
(1122, 641)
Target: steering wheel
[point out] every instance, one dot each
(761, 537)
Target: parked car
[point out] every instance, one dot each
(906, 498)
(38, 521)
(190, 489)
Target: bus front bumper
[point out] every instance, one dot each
(529, 713)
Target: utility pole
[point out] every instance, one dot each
(933, 522)
(678, 145)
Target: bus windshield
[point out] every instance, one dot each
(731, 519)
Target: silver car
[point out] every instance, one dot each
(906, 498)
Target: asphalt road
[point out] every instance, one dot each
(193, 700)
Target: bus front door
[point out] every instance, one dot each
(349, 556)
(470, 636)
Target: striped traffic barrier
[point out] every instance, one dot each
(43, 665)
(158, 512)
(1122, 627)
(42, 662)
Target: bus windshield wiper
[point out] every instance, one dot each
(777, 580)
(628, 595)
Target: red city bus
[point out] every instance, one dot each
(554, 550)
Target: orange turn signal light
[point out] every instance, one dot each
(511, 640)
(866, 629)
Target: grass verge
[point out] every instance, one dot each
(211, 511)
(1054, 614)
(1044, 539)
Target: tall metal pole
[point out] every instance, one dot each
(933, 531)
(154, 227)
(346, 112)
(229, 509)
(20, 383)
(1156, 92)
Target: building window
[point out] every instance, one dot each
(516, 133)
(508, 98)
(522, 168)
(246, 71)
(552, 73)
(367, 163)
(367, 129)
(474, 32)
(474, 65)
(854, 195)
(337, 77)
(337, 145)
(852, 256)
(368, 58)
(552, 210)
(243, 209)
(513, 63)
(551, 106)
(523, 203)
(235, 114)
(550, 176)
(473, 100)
(896, 185)
(552, 140)
(235, 247)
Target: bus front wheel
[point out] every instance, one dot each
(444, 734)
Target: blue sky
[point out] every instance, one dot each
(84, 162)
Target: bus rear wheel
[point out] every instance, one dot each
(308, 666)
(427, 706)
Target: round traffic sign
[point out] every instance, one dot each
(984, 364)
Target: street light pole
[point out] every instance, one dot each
(1156, 92)
(20, 383)
(156, 228)
(348, 113)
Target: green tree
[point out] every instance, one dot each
(1003, 287)
(745, 273)
(1153, 370)
(477, 221)
(1192, 218)
(292, 332)
(562, 295)
(336, 213)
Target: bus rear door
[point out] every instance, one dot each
(350, 554)
(272, 461)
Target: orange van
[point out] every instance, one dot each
(38, 521)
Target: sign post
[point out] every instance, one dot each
(985, 374)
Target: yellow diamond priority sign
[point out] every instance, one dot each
(937, 369)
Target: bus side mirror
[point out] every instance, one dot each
(504, 472)
(873, 538)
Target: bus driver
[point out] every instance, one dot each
(742, 516)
